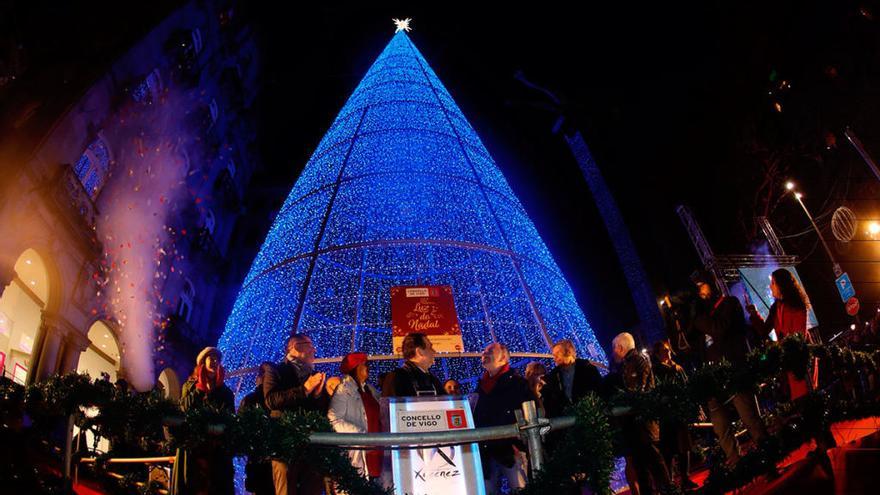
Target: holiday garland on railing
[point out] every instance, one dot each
(806, 419)
(136, 423)
(581, 455)
(259, 437)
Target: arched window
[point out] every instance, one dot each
(209, 221)
(21, 313)
(185, 303)
(149, 89)
(102, 355)
(100, 359)
(93, 166)
(170, 383)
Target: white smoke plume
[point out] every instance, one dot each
(145, 188)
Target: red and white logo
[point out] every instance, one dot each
(455, 419)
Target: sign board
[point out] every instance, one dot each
(845, 287)
(852, 306)
(429, 310)
(437, 470)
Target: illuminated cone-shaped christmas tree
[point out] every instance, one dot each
(401, 192)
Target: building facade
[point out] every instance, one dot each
(119, 203)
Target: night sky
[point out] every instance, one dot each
(669, 98)
(677, 103)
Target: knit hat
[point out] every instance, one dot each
(204, 354)
(351, 361)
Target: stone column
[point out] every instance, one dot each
(46, 357)
(75, 344)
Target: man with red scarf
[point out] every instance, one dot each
(501, 392)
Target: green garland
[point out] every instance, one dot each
(808, 418)
(585, 449)
(253, 434)
(584, 454)
(134, 425)
(813, 415)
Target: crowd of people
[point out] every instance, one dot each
(657, 453)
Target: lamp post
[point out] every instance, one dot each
(838, 271)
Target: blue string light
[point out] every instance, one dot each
(401, 191)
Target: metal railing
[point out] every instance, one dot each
(123, 460)
(529, 428)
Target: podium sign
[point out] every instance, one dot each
(429, 310)
(437, 470)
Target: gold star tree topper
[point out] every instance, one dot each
(402, 25)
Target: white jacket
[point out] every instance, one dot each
(347, 415)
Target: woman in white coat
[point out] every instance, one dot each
(355, 409)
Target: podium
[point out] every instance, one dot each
(454, 469)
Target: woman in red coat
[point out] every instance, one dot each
(788, 316)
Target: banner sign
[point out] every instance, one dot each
(429, 310)
(437, 470)
(439, 420)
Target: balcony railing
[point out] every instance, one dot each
(72, 197)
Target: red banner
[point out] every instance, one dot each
(429, 310)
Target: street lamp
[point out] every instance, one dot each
(799, 197)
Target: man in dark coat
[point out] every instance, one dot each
(641, 437)
(722, 322)
(720, 319)
(258, 472)
(501, 392)
(293, 384)
(675, 438)
(413, 378)
(570, 381)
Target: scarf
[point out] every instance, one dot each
(302, 369)
(487, 383)
(206, 381)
